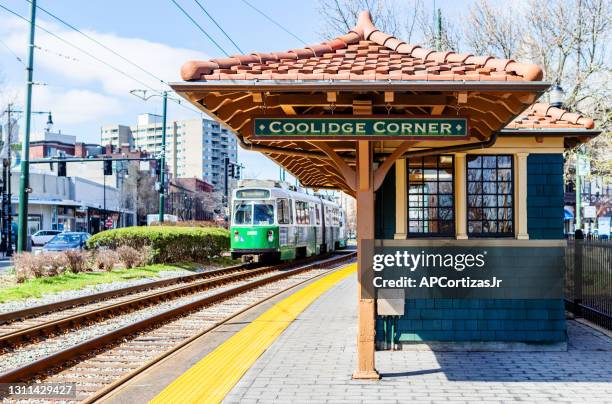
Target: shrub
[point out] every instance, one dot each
(190, 223)
(29, 265)
(168, 244)
(53, 263)
(26, 264)
(129, 257)
(76, 260)
(105, 260)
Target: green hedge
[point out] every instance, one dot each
(168, 244)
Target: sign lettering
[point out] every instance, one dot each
(360, 128)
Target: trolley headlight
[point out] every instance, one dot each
(270, 235)
(235, 235)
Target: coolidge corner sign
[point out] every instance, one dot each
(360, 128)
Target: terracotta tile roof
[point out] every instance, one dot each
(544, 116)
(364, 53)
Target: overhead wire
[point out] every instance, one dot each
(273, 21)
(98, 59)
(11, 51)
(50, 14)
(78, 48)
(200, 28)
(218, 26)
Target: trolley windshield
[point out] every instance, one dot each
(255, 213)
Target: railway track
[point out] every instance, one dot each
(20, 315)
(100, 362)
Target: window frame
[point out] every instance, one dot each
(286, 212)
(497, 234)
(449, 234)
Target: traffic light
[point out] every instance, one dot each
(108, 167)
(238, 172)
(230, 170)
(61, 168)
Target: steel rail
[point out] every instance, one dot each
(106, 391)
(101, 313)
(33, 368)
(31, 312)
(83, 300)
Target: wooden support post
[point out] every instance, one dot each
(520, 195)
(365, 250)
(401, 200)
(460, 197)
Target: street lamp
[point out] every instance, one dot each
(557, 96)
(162, 153)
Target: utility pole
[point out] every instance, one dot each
(439, 30)
(22, 242)
(226, 163)
(104, 199)
(7, 234)
(163, 158)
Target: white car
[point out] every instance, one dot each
(42, 237)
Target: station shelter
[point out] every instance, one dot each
(497, 182)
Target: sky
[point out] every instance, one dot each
(84, 94)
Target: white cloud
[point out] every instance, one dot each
(85, 94)
(162, 60)
(76, 106)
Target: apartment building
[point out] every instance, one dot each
(195, 148)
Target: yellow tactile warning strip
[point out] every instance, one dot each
(209, 380)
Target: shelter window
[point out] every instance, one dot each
(284, 215)
(489, 196)
(430, 196)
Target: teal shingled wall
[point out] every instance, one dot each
(545, 196)
(537, 321)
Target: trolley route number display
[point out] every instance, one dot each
(352, 127)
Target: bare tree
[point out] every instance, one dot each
(492, 31)
(147, 198)
(569, 39)
(340, 16)
(409, 21)
(448, 37)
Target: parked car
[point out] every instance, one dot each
(67, 241)
(42, 237)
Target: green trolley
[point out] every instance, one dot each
(271, 221)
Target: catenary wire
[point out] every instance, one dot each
(50, 14)
(273, 21)
(218, 26)
(11, 51)
(158, 92)
(200, 27)
(78, 48)
(71, 26)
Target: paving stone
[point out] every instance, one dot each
(311, 362)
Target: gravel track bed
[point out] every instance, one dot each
(89, 290)
(29, 353)
(29, 322)
(84, 373)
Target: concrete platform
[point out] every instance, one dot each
(313, 359)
